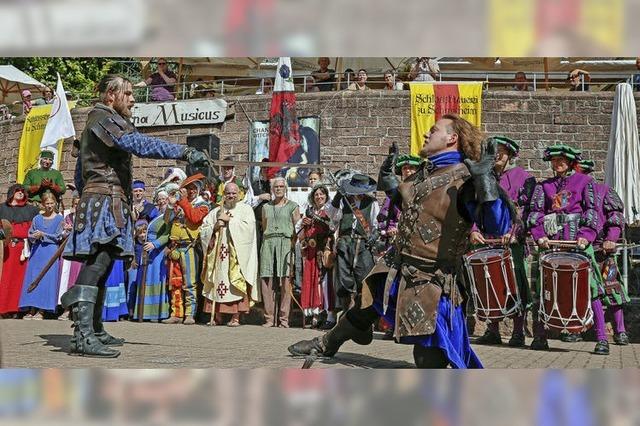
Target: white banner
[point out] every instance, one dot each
(179, 113)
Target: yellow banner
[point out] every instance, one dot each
(32, 133)
(429, 101)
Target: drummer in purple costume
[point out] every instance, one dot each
(519, 185)
(565, 207)
(611, 217)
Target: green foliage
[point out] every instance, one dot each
(79, 75)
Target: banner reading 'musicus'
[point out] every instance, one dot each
(179, 113)
(430, 101)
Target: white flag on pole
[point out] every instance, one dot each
(59, 125)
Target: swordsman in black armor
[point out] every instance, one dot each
(103, 228)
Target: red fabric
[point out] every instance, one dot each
(449, 99)
(13, 270)
(284, 135)
(310, 293)
(195, 215)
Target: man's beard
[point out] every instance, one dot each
(424, 153)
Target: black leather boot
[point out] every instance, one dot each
(82, 300)
(98, 326)
(602, 348)
(429, 357)
(329, 343)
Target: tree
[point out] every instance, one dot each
(79, 75)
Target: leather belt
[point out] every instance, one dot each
(105, 189)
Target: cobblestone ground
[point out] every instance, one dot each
(44, 344)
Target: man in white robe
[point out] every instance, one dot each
(228, 236)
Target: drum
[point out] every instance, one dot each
(565, 294)
(494, 288)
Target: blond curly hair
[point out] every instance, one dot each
(469, 136)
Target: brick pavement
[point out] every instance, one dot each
(43, 344)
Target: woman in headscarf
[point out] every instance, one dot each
(19, 214)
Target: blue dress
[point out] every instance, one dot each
(115, 302)
(156, 297)
(45, 296)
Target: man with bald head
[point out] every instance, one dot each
(228, 237)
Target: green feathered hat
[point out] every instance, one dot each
(411, 160)
(562, 150)
(586, 166)
(508, 143)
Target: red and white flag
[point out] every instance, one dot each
(284, 137)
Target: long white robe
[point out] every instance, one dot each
(241, 232)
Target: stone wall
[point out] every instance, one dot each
(358, 127)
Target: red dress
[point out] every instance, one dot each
(311, 294)
(13, 269)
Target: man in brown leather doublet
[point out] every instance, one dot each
(415, 286)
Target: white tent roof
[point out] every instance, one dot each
(13, 81)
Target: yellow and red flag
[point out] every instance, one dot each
(430, 101)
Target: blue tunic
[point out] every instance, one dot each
(101, 228)
(45, 296)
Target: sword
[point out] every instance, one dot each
(54, 259)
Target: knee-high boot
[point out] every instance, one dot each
(82, 300)
(329, 343)
(98, 326)
(429, 357)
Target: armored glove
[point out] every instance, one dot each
(484, 179)
(373, 239)
(387, 179)
(194, 157)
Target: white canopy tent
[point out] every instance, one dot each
(13, 81)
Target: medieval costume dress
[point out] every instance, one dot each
(103, 227)
(231, 265)
(316, 293)
(115, 301)
(156, 302)
(13, 267)
(417, 291)
(34, 177)
(45, 296)
(566, 208)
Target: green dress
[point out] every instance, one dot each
(275, 253)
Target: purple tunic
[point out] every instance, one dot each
(573, 199)
(610, 213)
(388, 219)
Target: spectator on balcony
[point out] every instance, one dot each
(26, 101)
(311, 85)
(162, 82)
(522, 84)
(391, 81)
(360, 83)
(425, 69)
(349, 77)
(266, 88)
(47, 97)
(325, 77)
(576, 78)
